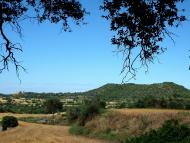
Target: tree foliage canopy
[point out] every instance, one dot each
(139, 25)
(14, 11)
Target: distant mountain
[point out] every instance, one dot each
(115, 91)
(159, 95)
(3, 95)
(166, 89)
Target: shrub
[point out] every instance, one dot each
(102, 104)
(170, 132)
(84, 112)
(87, 111)
(73, 114)
(120, 105)
(9, 121)
(78, 130)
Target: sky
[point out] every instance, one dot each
(84, 59)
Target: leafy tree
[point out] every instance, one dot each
(14, 11)
(85, 111)
(140, 25)
(53, 105)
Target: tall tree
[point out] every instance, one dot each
(53, 105)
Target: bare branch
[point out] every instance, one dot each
(9, 55)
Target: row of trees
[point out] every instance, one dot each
(53, 105)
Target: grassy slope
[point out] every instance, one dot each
(119, 124)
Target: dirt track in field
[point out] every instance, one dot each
(38, 133)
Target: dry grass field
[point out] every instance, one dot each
(123, 122)
(132, 122)
(152, 118)
(24, 115)
(37, 133)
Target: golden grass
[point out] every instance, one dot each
(37, 133)
(149, 111)
(131, 122)
(24, 115)
(121, 122)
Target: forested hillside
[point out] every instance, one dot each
(166, 89)
(158, 95)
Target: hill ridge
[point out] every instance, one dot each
(132, 89)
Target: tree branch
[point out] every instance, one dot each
(9, 55)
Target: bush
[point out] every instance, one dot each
(87, 112)
(102, 104)
(120, 105)
(72, 114)
(84, 112)
(78, 130)
(9, 121)
(170, 132)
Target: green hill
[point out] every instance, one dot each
(110, 92)
(117, 91)
(165, 89)
(159, 95)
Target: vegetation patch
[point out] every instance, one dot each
(78, 130)
(85, 112)
(53, 105)
(22, 108)
(31, 119)
(58, 119)
(170, 132)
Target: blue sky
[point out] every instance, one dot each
(84, 59)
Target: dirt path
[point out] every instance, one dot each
(38, 133)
